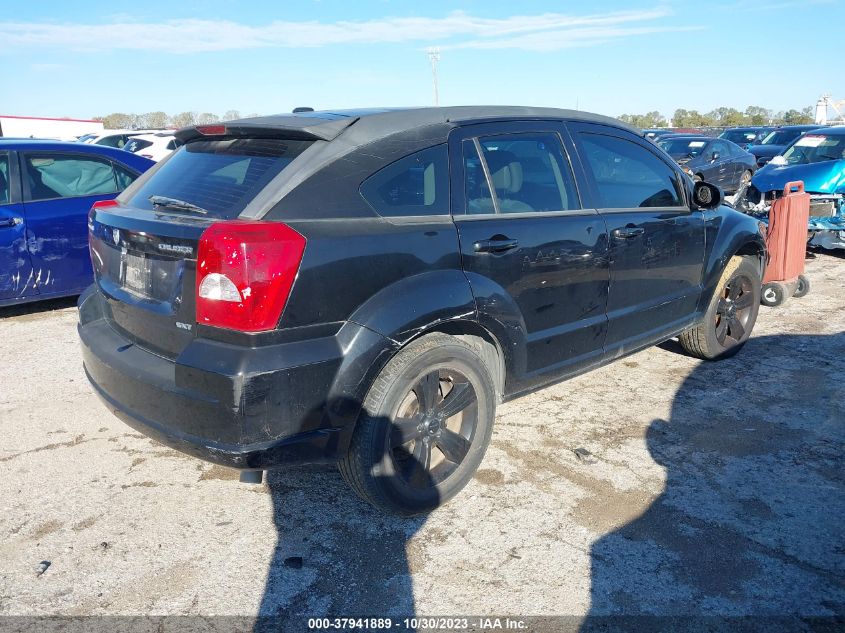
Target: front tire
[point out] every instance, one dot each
(424, 427)
(731, 315)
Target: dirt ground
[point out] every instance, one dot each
(705, 489)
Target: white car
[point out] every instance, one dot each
(153, 146)
(111, 138)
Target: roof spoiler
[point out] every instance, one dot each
(300, 128)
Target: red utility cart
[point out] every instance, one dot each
(786, 241)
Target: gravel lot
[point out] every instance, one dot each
(709, 488)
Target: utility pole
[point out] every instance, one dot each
(434, 57)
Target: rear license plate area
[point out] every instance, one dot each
(136, 273)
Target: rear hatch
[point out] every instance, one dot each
(144, 247)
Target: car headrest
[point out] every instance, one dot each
(505, 171)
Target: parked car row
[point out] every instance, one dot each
(152, 144)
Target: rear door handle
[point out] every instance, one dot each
(628, 232)
(7, 223)
(495, 246)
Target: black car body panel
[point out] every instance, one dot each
(557, 285)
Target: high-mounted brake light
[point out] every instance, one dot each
(245, 271)
(211, 130)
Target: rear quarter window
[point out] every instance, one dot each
(416, 185)
(220, 176)
(52, 176)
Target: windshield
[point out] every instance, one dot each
(219, 176)
(781, 137)
(682, 147)
(740, 137)
(815, 148)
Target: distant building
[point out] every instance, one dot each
(41, 127)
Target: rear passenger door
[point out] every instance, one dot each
(59, 190)
(656, 240)
(15, 268)
(529, 246)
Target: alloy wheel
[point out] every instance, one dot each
(734, 310)
(433, 428)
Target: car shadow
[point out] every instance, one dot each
(336, 556)
(35, 308)
(750, 522)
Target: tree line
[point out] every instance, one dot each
(155, 120)
(721, 117)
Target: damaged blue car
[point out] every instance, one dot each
(817, 159)
(46, 191)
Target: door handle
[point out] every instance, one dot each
(628, 232)
(495, 245)
(7, 223)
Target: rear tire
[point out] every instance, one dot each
(424, 427)
(773, 295)
(803, 287)
(731, 315)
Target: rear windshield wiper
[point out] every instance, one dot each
(175, 203)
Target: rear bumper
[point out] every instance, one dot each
(248, 408)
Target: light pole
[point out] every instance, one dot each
(434, 57)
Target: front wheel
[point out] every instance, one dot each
(424, 427)
(731, 315)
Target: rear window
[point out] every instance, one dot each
(220, 176)
(136, 144)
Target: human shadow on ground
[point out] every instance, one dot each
(752, 518)
(336, 556)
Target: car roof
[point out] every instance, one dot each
(837, 130)
(75, 147)
(367, 125)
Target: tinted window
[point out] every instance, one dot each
(115, 140)
(64, 176)
(722, 148)
(628, 176)
(4, 178)
(221, 176)
(476, 191)
(528, 172)
(134, 145)
(415, 185)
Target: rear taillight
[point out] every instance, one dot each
(245, 271)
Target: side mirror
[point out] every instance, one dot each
(715, 156)
(707, 196)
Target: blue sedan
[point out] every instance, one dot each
(46, 191)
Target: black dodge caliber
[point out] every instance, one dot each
(365, 286)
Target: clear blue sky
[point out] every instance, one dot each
(102, 56)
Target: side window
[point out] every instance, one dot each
(116, 140)
(124, 177)
(528, 172)
(628, 176)
(415, 185)
(476, 190)
(722, 148)
(67, 176)
(4, 179)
